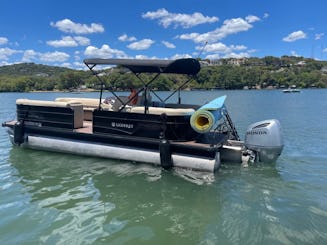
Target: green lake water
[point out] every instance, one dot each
(52, 198)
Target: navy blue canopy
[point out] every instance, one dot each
(188, 66)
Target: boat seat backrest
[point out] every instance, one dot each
(76, 107)
(161, 110)
(89, 105)
(41, 103)
(86, 102)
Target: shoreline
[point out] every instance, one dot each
(195, 89)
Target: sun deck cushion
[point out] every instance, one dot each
(77, 108)
(89, 105)
(41, 103)
(160, 110)
(87, 102)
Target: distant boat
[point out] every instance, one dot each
(75, 91)
(291, 90)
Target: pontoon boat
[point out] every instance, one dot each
(197, 137)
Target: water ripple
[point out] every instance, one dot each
(50, 198)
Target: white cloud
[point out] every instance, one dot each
(66, 64)
(237, 55)
(104, 52)
(215, 47)
(265, 15)
(295, 36)
(230, 26)
(5, 53)
(69, 41)
(221, 48)
(143, 57)
(68, 26)
(54, 56)
(293, 53)
(125, 38)
(229, 55)
(77, 55)
(141, 45)
(252, 18)
(168, 44)
(318, 36)
(184, 20)
(79, 65)
(160, 13)
(4, 63)
(82, 41)
(31, 55)
(213, 57)
(3, 40)
(181, 56)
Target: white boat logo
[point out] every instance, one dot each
(121, 125)
(256, 132)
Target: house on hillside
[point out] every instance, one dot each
(301, 63)
(324, 69)
(237, 62)
(216, 62)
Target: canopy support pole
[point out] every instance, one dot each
(178, 89)
(101, 84)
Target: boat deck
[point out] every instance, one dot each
(86, 129)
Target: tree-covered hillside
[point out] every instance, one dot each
(252, 73)
(31, 69)
(30, 77)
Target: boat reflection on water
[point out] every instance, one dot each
(98, 201)
(38, 164)
(115, 202)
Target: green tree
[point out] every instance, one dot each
(70, 80)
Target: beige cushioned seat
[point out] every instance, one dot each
(86, 102)
(89, 105)
(76, 107)
(160, 110)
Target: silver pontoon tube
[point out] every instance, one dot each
(123, 153)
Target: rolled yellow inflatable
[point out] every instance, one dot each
(206, 117)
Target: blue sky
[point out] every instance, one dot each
(63, 33)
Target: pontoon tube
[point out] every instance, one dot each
(122, 153)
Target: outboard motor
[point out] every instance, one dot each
(264, 138)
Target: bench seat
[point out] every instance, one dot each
(160, 110)
(77, 108)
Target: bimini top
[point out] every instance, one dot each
(188, 66)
